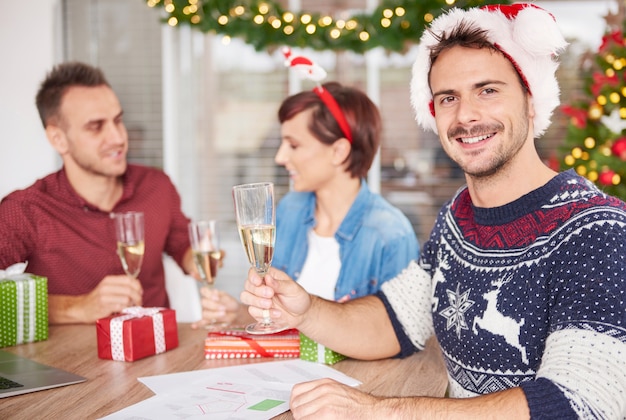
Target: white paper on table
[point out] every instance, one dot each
(284, 371)
(255, 391)
(218, 398)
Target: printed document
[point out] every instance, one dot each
(256, 391)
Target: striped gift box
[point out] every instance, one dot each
(136, 332)
(238, 344)
(315, 352)
(23, 307)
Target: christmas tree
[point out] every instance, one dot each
(595, 144)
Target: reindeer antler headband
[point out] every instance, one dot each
(307, 69)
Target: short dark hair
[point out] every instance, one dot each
(59, 80)
(361, 113)
(469, 36)
(465, 35)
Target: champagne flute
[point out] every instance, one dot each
(207, 256)
(129, 229)
(256, 220)
(205, 245)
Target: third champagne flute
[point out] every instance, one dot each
(256, 220)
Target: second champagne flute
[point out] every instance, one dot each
(129, 229)
(256, 220)
(205, 245)
(207, 256)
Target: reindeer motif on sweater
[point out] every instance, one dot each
(495, 322)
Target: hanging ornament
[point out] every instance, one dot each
(606, 177)
(619, 148)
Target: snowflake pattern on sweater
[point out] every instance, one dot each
(525, 292)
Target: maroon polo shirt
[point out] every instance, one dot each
(73, 243)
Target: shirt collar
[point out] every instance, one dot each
(70, 193)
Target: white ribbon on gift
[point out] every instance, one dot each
(26, 286)
(117, 335)
(321, 353)
(13, 270)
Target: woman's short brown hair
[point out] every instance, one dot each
(361, 113)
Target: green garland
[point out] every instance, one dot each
(393, 25)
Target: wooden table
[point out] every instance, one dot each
(113, 385)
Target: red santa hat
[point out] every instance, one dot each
(526, 34)
(304, 66)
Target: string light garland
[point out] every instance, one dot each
(265, 24)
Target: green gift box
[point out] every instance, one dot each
(23, 308)
(315, 352)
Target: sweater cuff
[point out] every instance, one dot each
(406, 346)
(546, 400)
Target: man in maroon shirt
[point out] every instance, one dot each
(62, 223)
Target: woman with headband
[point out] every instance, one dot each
(334, 235)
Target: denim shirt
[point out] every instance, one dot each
(376, 241)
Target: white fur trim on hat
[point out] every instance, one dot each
(529, 37)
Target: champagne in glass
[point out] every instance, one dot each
(207, 256)
(256, 219)
(131, 257)
(258, 242)
(205, 245)
(129, 229)
(207, 263)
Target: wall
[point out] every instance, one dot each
(29, 47)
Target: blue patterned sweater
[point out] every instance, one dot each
(528, 294)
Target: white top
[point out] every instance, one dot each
(321, 268)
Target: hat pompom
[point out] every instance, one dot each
(535, 30)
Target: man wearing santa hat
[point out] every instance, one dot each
(523, 279)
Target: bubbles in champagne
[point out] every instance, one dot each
(258, 241)
(131, 256)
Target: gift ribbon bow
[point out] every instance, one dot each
(25, 288)
(16, 269)
(117, 335)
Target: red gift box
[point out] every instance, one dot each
(238, 344)
(137, 333)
